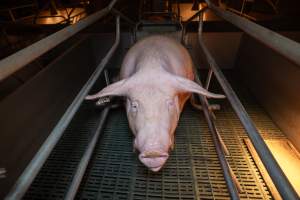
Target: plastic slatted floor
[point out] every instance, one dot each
(192, 171)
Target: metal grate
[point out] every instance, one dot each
(192, 171)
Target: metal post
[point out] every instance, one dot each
(32, 169)
(284, 187)
(284, 46)
(16, 61)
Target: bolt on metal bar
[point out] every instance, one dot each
(281, 182)
(16, 61)
(32, 169)
(284, 46)
(229, 179)
(88, 152)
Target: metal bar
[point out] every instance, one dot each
(195, 15)
(178, 10)
(284, 46)
(86, 158)
(17, 7)
(208, 79)
(242, 14)
(282, 184)
(231, 186)
(11, 15)
(229, 179)
(200, 14)
(88, 153)
(32, 169)
(115, 11)
(19, 59)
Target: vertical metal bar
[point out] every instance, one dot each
(32, 169)
(243, 6)
(88, 152)
(178, 10)
(281, 182)
(232, 189)
(208, 79)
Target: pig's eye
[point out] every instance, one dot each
(170, 103)
(134, 106)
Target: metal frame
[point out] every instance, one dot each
(282, 45)
(32, 169)
(267, 37)
(81, 168)
(230, 179)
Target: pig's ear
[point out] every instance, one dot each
(119, 88)
(186, 85)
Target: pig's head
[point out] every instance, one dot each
(153, 110)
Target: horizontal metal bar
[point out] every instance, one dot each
(16, 61)
(32, 169)
(282, 184)
(283, 45)
(18, 7)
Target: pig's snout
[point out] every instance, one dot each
(154, 160)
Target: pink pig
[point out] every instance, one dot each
(156, 80)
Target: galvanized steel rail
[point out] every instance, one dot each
(229, 179)
(32, 169)
(291, 50)
(16, 61)
(283, 45)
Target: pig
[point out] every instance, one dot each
(156, 79)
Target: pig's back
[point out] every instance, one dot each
(158, 51)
